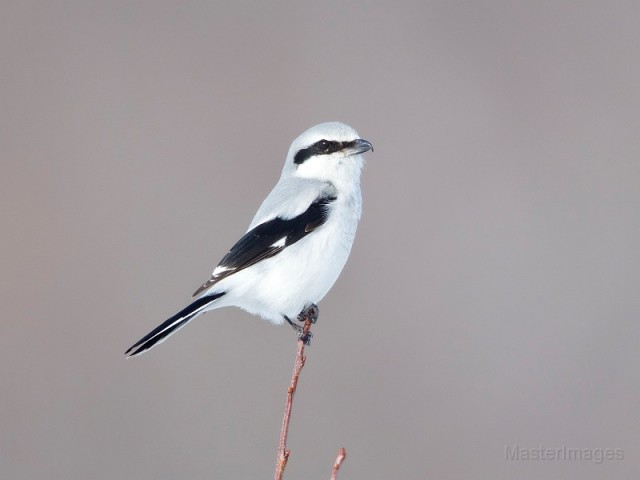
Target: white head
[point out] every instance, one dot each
(330, 152)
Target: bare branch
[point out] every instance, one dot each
(283, 452)
(342, 454)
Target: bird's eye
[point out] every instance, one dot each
(324, 145)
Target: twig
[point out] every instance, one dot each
(342, 454)
(283, 452)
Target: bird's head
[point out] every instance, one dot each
(331, 152)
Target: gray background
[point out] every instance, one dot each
(491, 298)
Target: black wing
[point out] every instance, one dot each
(269, 239)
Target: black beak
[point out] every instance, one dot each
(357, 146)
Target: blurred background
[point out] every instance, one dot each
(491, 298)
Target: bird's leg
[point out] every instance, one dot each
(308, 316)
(305, 337)
(310, 313)
(296, 328)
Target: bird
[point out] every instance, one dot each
(297, 243)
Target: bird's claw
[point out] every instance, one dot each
(299, 329)
(311, 313)
(306, 338)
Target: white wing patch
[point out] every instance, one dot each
(220, 269)
(280, 243)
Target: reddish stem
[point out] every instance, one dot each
(342, 454)
(283, 452)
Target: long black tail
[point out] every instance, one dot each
(179, 320)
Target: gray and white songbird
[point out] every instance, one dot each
(298, 241)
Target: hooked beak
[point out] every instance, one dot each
(357, 146)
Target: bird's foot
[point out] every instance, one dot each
(310, 312)
(305, 337)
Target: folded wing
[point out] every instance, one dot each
(269, 239)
